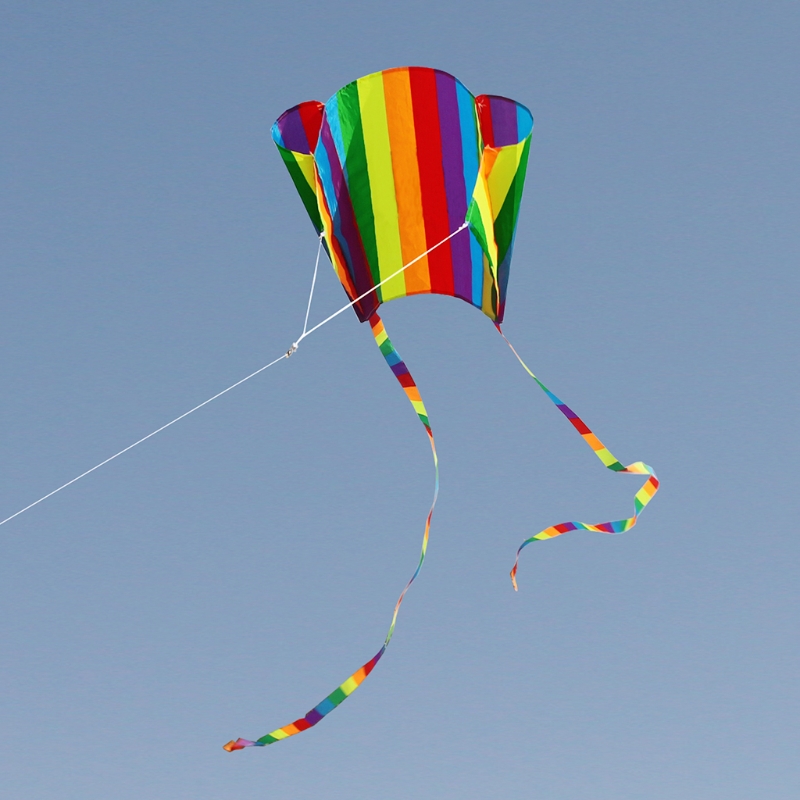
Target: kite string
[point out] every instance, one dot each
(143, 439)
(288, 353)
(313, 284)
(378, 285)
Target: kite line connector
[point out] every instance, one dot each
(292, 349)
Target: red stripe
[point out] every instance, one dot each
(370, 665)
(564, 527)
(431, 177)
(484, 108)
(311, 117)
(580, 425)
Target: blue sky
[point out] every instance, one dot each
(222, 578)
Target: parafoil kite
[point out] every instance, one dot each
(414, 185)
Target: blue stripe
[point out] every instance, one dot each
(524, 122)
(325, 177)
(476, 253)
(322, 161)
(332, 115)
(276, 136)
(469, 135)
(470, 155)
(325, 707)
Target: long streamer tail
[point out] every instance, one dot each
(343, 691)
(640, 500)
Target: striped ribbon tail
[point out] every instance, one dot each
(337, 696)
(640, 500)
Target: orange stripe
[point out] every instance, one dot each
(593, 441)
(402, 139)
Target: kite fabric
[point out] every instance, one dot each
(414, 186)
(396, 161)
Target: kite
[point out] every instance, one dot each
(413, 186)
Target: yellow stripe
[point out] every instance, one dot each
(605, 456)
(489, 281)
(381, 181)
(481, 196)
(637, 469)
(502, 173)
(306, 164)
(349, 686)
(645, 493)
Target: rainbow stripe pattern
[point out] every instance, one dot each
(640, 500)
(338, 695)
(416, 185)
(396, 161)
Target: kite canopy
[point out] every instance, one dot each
(399, 160)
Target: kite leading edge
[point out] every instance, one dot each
(414, 186)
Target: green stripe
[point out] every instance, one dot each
(506, 220)
(476, 224)
(337, 696)
(306, 192)
(358, 174)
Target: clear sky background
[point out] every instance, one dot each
(221, 579)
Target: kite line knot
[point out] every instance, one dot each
(292, 349)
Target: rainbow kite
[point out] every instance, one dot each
(414, 186)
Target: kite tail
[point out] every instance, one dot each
(337, 696)
(640, 500)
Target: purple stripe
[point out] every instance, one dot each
(292, 131)
(567, 412)
(313, 717)
(399, 369)
(345, 227)
(453, 163)
(504, 121)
